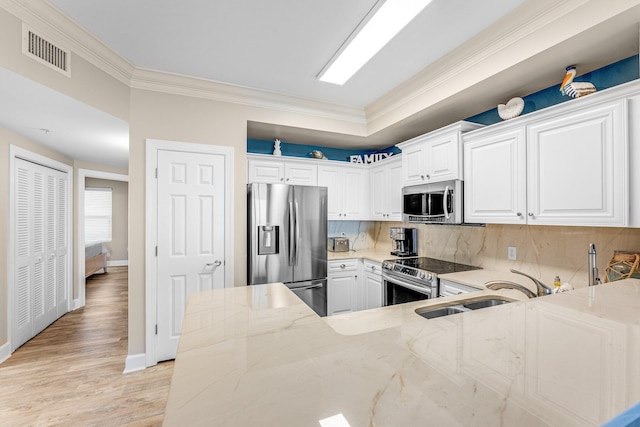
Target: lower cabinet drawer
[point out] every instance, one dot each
(341, 265)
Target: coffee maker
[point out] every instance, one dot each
(405, 241)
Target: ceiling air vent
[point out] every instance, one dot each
(45, 52)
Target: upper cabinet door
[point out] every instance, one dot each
(347, 191)
(495, 177)
(443, 158)
(300, 174)
(578, 168)
(331, 177)
(379, 194)
(414, 164)
(355, 183)
(435, 156)
(386, 190)
(282, 171)
(394, 191)
(269, 172)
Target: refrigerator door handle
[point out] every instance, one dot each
(297, 237)
(292, 237)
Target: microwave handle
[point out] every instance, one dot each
(445, 208)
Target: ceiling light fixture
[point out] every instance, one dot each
(381, 24)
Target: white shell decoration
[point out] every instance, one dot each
(512, 109)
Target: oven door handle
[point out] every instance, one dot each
(420, 289)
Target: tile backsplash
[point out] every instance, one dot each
(542, 251)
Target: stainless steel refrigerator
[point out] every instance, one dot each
(287, 239)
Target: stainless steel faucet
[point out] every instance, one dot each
(592, 266)
(503, 284)
(541, 288)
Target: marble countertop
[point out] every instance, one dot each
(478, 278)
(259, 356)
(370, 254)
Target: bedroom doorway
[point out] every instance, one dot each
(98, 260)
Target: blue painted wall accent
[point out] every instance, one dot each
(611, 75)
(261, 146)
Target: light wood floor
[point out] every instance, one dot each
(71, 373)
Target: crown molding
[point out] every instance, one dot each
(59, 28)
(460, 64)
(53, 24)
(177, 84)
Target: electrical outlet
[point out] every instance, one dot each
(511, 253)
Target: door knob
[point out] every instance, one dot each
(216, 263)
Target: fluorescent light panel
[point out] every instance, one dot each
(387, 21)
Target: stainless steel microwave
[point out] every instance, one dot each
(437, 203)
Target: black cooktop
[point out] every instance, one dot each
(433, 265)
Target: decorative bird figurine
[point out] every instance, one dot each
(575, 89)
(317, 154)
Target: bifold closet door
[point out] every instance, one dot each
(40, 290)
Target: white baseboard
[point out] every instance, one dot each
(76, 304)
(5, 351)
(135, 362)
(118, 263)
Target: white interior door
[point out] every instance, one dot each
(191, 241)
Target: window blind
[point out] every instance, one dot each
(97, 214)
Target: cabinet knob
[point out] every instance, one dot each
(342, 266)
(422, 177)
(519, 214)
(287, 179)
(428, 176)
(281, 179)
(531, 214)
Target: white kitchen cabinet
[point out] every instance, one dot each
(372, 292)
(435, 156)
(495, 189)
(342, 286)
(386, 190)
(282, 171)
(413, 163)
(566, 167)
(577, 168)
(347, 191)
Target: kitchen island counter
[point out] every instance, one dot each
(259, 356)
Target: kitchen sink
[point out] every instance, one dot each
(461, 306)
(442, 311)
(484, 303)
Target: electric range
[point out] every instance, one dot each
(413, 279)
